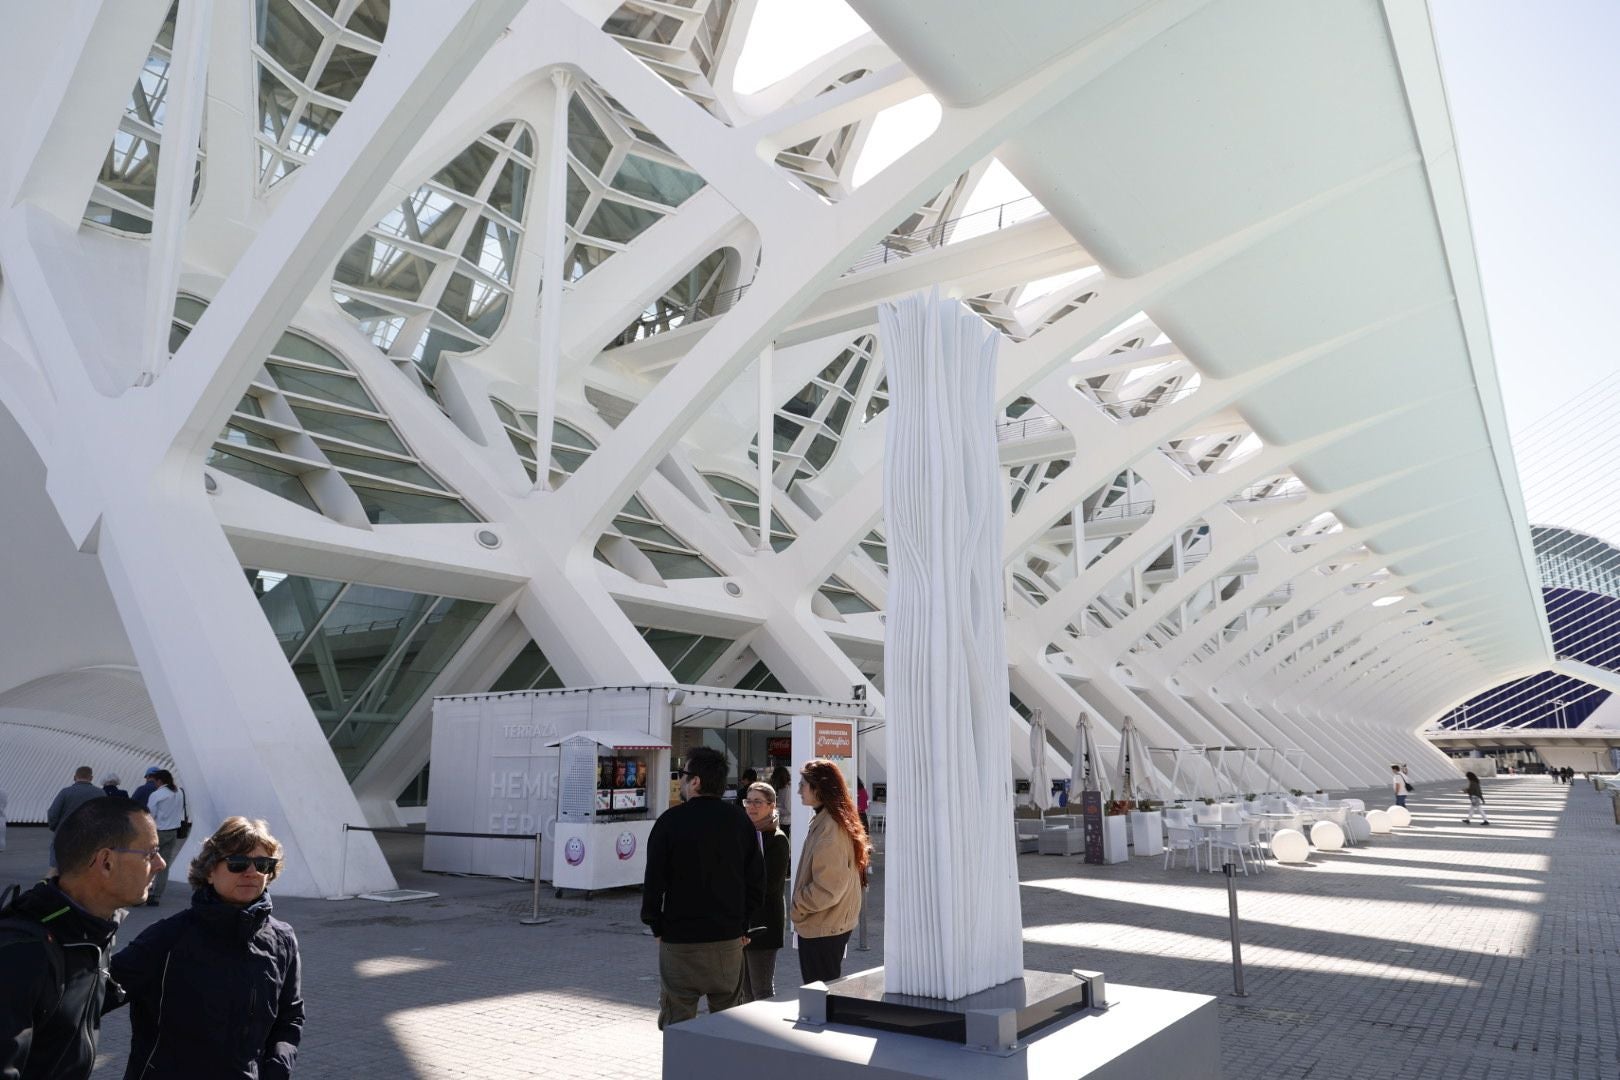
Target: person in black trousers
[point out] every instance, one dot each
(759, 955)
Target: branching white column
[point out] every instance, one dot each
(551, 271)
(951, 880)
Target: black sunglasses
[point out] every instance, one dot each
(238, 864)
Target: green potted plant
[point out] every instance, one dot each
(1295, 792)
(1249, 797)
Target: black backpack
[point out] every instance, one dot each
(16, 927)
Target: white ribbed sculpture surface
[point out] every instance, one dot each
(952, 924)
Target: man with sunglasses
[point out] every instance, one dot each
(55, 939)
(704, 889)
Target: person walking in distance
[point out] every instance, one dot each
(1476, 801)
(226, 957)
(149, 785)
(759, 955)
(704, 890)
(69, 799)
(55, 939)
(1400, 785)
(832, 872)
(782, 781)
(110, 788)
(168, 806)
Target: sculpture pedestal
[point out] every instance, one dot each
(1144, 1034)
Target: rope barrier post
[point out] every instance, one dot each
(1237, 951)
(343, 869)
(860, 939)
(533, 918)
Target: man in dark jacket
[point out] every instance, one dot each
(704, 890)
(144, 792)
(55, 940)
(69, 799)
(110, 788)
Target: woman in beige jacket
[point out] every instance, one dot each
(832, 872)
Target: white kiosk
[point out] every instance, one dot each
(607, 782)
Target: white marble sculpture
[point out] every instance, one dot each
(951, 911)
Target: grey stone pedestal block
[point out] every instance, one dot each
(1145, 1034)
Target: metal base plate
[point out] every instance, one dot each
(396, 896)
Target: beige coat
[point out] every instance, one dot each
(827, 888)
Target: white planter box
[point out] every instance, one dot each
(1147, 832)
(1116, 845)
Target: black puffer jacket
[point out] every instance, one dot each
(53, 959)
(213, 992)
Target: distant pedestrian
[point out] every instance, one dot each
(759, 955)
(2, 821)
(55, 939)
(747, 778)
(110, 788)
(862, 800)
(1476, 801)
(704, 890)
(1406, 778)
(69, 799)
(168, 806)
(144, 792)
(831, 874)
(782, 781)
(1400, 785)
(214, 991)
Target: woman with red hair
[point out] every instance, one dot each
(832, 872)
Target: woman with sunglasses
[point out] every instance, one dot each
(832, 872)
(214, 991)
(765, 941)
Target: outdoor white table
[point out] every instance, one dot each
(1207, 831)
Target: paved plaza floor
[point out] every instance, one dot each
(1442, 951)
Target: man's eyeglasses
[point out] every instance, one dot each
(238, 864)
(756, 802)
(151, 855)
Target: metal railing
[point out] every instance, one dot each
(533, 918)
(902, 245)
(1028, 427)
(673, 318)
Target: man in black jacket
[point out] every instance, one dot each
(705, 888)
(55, 939)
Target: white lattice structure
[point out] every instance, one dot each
(1259, 488)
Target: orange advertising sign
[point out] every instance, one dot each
(834, 739)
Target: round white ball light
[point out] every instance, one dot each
(1289, 846)
(1327, 836)
(1357, 828)
(1399, 816)
(1378, 822)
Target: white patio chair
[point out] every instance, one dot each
(1229, 839)
(1181, 838)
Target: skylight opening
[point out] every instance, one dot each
(788, 35)
(894, 132)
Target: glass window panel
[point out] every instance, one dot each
(345, 70)
(585, 138)
(477, 305)
(673, 565)
(507, 414)
(493, 249)
(289, 39)
(398, 508)
(529, 670)
(320, 384)
(567, 460)
(522, 444)
(762, 679)
(565, 435)
(635, 507)
(822, 448)
(838, 414)
(356, 429)
(583, 258)
(785, 431)
(805, 401)
(276, 103)
(655, 181)
(416, 792)
(274, 481)
(293, 604)
(297, 347)
(189, 309)
(511, 191)
(365, 627)
(619, 222)
(312, 128)
(250, 405)
(641, 530)
(578, 193)
(847, 602)
(242, 437)
(370, 18)
(400, 679)
(376, 265)
(467, 170)
(407, 472)
(727, 488)
(436, 343)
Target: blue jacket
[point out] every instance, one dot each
(213, 992)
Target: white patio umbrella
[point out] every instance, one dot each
(1040, 783)
(1134, 766)
(1085, 774)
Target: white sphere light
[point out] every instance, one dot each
(1378, 822)
(1399, 816)
(1289, 846)
(1327, 836)
(1358, 829)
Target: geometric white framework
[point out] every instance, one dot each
(1287, 517)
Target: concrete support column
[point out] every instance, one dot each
(551, 281)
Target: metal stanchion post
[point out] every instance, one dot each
(533, 917)
(343, 869)
(1237, 951)
(860, 939)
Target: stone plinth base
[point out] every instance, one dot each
(1144, 1034)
